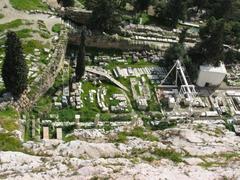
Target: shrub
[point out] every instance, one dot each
(136, 132)
(139, 132)
(121, 138)
(163, 125)
(56, 28)
(148, 158)
(229, 126)
(168, 154)
(69, 138)
(9, 143)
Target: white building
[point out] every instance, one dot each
(211, 76)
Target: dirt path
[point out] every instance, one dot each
(11, 14)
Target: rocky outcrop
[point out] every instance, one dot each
(78, 149)
(89, 134)
(20, 166)
(207, 149)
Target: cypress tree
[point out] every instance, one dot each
(80, 68)
(14, 69)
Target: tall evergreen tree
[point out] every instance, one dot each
(210, 49)
(14, 69)
(211, 46)
(80, 68)
(107, 15)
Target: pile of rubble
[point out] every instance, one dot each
(154, 73)
(69, 98)
(122, 103)
(101, 93)
(233, 75)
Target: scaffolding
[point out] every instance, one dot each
(186, 91)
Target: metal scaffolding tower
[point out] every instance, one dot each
(186, 91)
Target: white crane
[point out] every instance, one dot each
(187, 91)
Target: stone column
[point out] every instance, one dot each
(77, 120)
(33, 128)
(45, 133)
(59, 133)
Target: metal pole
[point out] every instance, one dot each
(184, 79)
(168, 74)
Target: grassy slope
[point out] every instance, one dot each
(13, 24)
(29, 5)
(1, 16)
(8, 119)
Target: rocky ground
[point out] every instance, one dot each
(202, 150)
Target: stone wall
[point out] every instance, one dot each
(117, 42)
(79, 16)
(47, 78)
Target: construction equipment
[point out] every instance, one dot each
(186, 91)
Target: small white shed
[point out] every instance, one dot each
(211, 76)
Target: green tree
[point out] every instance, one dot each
(178, 51)
(90, 4)
(141, 5)
(80, 68)
(220, 8)
(14, 70)
(235, 14)
(210, 49)
(201, 4)
(211, 45)
(173, 53)
(161, 11)
(171, 12)
(183, 35)
(107, 15)
(66, 3)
